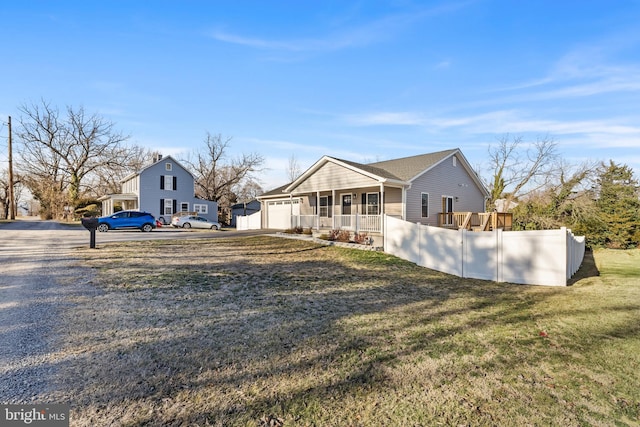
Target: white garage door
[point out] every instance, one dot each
(279, 213)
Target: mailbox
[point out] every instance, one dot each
(91, 224)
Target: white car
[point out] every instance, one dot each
(194, 221)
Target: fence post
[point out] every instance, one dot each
(499, 255)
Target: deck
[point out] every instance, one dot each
(476, 221)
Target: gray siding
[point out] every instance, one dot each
(151, 192)
(443, 180)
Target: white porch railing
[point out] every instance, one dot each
(357, 223)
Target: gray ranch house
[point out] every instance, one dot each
(336, 194)
(163, 189)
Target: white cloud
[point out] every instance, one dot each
(349, 36)
(386, 118)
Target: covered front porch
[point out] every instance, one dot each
(123, 201)
(358, 210)
(356, 223)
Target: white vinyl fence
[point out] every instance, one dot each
(548, 257)
(249, 222)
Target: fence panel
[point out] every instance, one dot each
(402, 239)
(480, 255)
(535, 257)
(441, 249)
(249, 222)
(547, 257)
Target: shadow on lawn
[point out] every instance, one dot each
(323, 323)
(587, 269)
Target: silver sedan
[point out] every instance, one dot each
(194, 221)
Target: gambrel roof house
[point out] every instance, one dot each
(162, 188)
(341, 194)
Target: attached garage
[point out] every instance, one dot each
(279, 213)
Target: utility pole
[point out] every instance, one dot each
(12, 207)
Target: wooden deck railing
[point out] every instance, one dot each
(476, 221)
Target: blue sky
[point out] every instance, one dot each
(359, 80)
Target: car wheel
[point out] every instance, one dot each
(214, 227)
(186, 225)
(103, 228)
(147, 227)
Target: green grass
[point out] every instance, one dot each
(263, 328)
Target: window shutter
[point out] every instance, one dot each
(175, 183)
(162, 182)
(161, 206)
(175, 205)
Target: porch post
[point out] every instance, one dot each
(381, 208)
(291, 211)
(333, 211)
(318, 210)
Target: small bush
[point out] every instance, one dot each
(361, 238)
(294, 230)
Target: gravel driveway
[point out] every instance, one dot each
(34, 259)
(38, 277)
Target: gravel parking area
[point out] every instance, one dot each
(35, 258)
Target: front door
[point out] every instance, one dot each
(345, 218)
(346, 204)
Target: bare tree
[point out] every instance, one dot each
(107, 180)
(5, 193)
(519, 168)
(217, 176)
(293, 169)
(58, 154)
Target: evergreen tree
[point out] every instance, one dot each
(619, 207)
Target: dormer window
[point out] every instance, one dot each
(167, 166)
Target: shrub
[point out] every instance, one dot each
(343, 236)
(361, 238)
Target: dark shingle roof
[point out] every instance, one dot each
(276, 191)
(403, 169)
(408, 168)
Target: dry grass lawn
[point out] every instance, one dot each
(267, 331)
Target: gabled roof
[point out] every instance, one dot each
(400, 171)
(163, 159)
(408, 168)
(275, 192)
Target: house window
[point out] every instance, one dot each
(167, 166)
(373, 204)
(168, 182)
(455, 161)
(425, 205)
(168, 207)
(184, 207)
(200, 208)
(325, 206)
